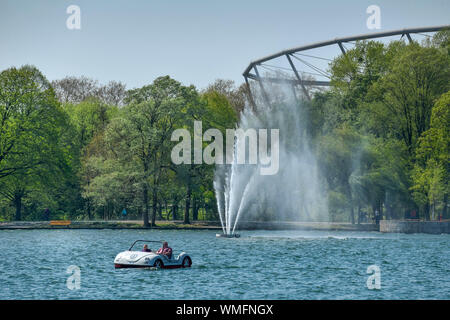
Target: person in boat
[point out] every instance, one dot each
(165, 250)
(146, 249)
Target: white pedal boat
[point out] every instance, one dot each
(141, 259)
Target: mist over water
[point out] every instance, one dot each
(292, 194)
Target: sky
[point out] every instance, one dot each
(193, 41)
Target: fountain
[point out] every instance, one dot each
(294, 192)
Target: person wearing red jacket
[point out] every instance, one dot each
(165, 250)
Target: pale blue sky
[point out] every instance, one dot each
(194, 41)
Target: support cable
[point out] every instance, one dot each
(324, 73)
(266, 66)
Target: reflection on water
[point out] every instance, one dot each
(259, 265)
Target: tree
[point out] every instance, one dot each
(431, 170)
(14, 188)
(386, 94)
(33, 134)
(90, 118)
(418, 76)
(337, 159)
(354, 73)
(76, 90)
(137, 141)
(237, 97)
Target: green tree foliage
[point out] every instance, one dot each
(90, 118)
(431, 171)
(129, 163)
(417, 78)
(380, 134)
(386, 95)
(34, 135)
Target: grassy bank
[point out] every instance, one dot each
(179, 225)
(129, 224)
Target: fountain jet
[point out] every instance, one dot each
(294, 192)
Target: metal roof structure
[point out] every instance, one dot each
(294, 53)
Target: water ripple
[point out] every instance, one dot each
(259, 265)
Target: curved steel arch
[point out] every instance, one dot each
(338, 41)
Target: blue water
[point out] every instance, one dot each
(259, 265)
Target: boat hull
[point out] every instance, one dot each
(134, 266)
(137, 259)
(223, 235)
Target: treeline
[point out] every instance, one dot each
(75, 149)
(381, 134)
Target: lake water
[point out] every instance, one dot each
(259, 265)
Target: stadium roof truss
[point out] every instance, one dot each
(296, 59)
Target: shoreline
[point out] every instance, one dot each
(179, 225)
(100, 225)
(386, 226)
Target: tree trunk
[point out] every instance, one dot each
(145, 205)
(444, 211)
(166, 208)
(350, 197)
(160, 207)
(376, 214)
(381, 210)
(89, 209)
(188, 205)
(427, 211)
(433, 217)
(352, 214)
(195, 209)
(154, 207)
(359, 214)
(174, 211)
(18, 205)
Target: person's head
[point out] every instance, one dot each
(165, 244)
(145, 246)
